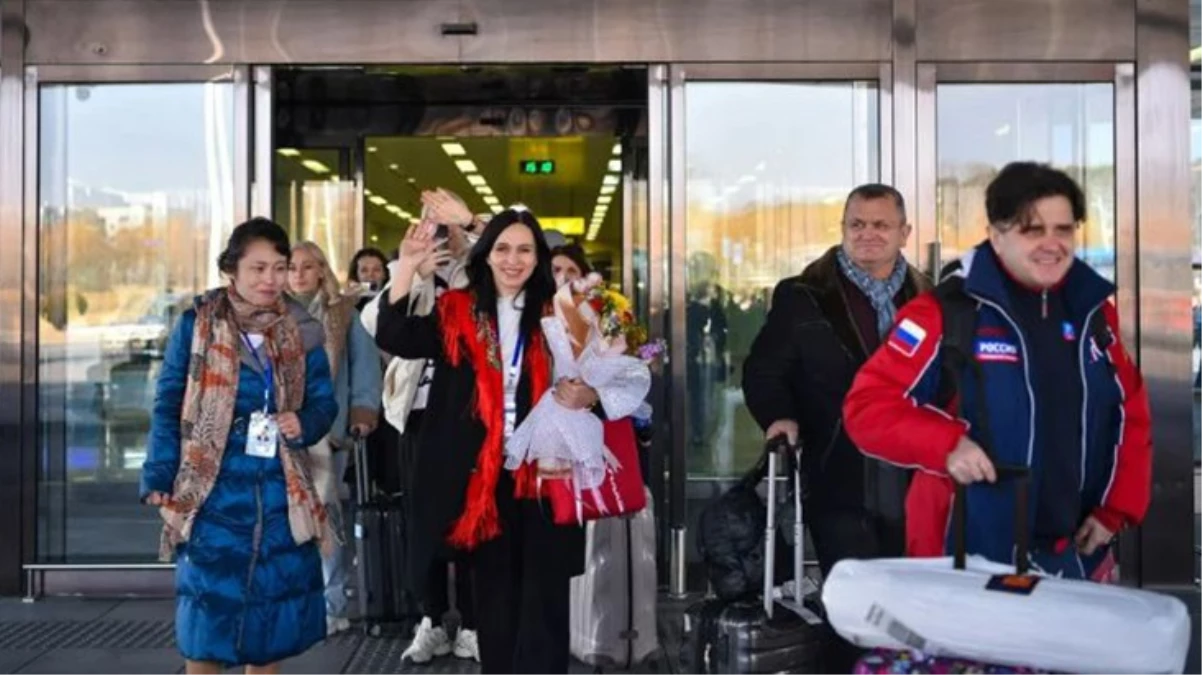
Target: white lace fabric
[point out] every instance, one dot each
(556, 437)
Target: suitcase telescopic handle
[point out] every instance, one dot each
(777, 447)
(362, 479)
(1021, 477)
(1018, 474)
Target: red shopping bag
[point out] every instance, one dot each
(620, 494)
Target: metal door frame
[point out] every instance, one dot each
(76, 576)
(680, 74)
(1122, 76)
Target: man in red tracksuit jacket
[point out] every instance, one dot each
(1061, 394)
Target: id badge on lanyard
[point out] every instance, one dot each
(262, 431)
(511, 388)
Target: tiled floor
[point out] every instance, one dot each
(69, 635)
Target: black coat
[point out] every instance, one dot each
(801, 367)
(448, 444)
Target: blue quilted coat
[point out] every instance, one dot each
(245, 592)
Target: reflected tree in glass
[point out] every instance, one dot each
(765, 190)
(982, 127)
(135, 200)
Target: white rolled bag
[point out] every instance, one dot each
(613, 612)
(942, 607)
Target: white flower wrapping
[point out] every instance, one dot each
(559, 439)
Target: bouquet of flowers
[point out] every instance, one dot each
(593, 336)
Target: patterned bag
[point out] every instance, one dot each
(880, 661)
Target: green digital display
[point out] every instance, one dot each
(537, 167)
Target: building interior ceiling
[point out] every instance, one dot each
(581, 197)
(469, 130)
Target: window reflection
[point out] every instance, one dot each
(1196, 194)
(135, 202)
(315, 201)
(981, 127)
(765, 188)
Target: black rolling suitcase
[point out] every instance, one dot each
(765, 636)
(380, 554)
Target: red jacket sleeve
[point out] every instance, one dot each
(881, 414)
(1126, 499)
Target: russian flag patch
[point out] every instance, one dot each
(907, 337)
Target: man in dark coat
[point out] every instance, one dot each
(822, 326)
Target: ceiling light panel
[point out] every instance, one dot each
(315, 166)
(609, 185)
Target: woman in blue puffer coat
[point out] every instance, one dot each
(245, 389)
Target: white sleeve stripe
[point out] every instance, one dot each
(1118, 444)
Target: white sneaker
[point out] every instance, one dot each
(428, 642)
(467, 645)
(337, 624)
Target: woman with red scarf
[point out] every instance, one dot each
(492, 368)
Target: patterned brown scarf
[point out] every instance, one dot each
(208, 411)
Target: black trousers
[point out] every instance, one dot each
(843, 534)
(522, 594)
(384, 458)
(437, 602)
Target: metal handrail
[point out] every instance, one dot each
(35, 573)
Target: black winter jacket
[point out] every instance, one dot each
(801, 366)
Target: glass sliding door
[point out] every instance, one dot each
(760, 175)
(136, 197)
(983, 126)
(1077, 117)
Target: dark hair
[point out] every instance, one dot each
(1014, 191)
(369, 252)
(539, 287)
(878, 191)
(255, 229)
(574, 253)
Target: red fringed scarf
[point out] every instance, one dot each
(465, 329)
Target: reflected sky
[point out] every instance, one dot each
(133, 137)
(992, 124)
(982, 127)
(819, 138)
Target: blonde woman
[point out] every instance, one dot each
(355, 366)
